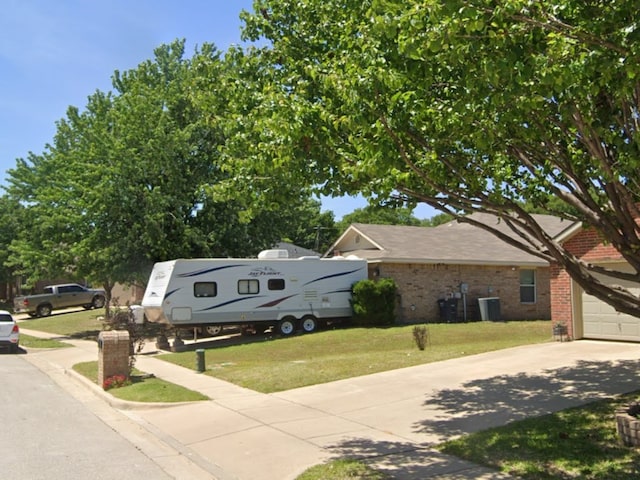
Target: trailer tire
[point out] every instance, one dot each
(287, 326)
(309, 324)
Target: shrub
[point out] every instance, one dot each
(421, 336)
(374, 302)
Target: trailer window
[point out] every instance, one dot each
(205, 289)
(275, 284)
(247, 287)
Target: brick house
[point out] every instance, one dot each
(585, 315)
(431, 264)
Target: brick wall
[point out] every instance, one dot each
(421, 285)
(561, 307)
(587, 245)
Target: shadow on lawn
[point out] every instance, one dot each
(495, 401)
(86, 335)
(405, 459)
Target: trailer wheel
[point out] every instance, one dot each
(309, 324)
(287, 326)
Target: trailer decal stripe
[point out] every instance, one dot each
(275, 302)
(345, 290)
(332, 276)
(213, 307)
(206, 270)
(170, 293)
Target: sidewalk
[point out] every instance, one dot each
(390, 419)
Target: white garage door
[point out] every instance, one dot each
(601, 321)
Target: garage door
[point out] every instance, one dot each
(601, 321)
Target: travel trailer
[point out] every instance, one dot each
(270, 291)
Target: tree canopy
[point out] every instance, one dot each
(378, 215)
(466, 105)
(132, 178)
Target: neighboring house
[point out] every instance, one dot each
(430, 264)
(585, 315)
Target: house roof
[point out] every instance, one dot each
(452, 243)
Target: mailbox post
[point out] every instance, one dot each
(113, 355)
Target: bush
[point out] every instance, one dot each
(374, 302)
(421, 336)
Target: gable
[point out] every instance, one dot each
(587, 244)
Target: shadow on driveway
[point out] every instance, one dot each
(495, 401)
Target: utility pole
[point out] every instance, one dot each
(318, 228)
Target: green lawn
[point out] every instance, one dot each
(575, 443)
(83, 324)
(35, 342)
(143, 388)
(278, 364)
(342, 469)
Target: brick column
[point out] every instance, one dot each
(113, 354)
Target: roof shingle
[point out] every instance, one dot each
(453, 243)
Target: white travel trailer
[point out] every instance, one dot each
(289, 294)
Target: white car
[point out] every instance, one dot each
(9, 332)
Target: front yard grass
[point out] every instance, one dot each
(578, 442)
(342, 469)
(35, 342)
(143, 388)
(85, 324)
(278, 364)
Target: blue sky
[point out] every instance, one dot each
(54, 54)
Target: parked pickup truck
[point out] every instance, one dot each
(56, 297)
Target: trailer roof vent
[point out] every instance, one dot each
(273, 254)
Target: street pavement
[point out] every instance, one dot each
(391, 420)
(49, 434)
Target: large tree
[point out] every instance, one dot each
(131, 179)
(466, 105)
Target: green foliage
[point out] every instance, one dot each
(439, 219)
(374, 302)
(466, 105)
(142, 174)
(378, 215)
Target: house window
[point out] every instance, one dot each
(527, 286)
(248, 287)
(276, 284)
(205, 289)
